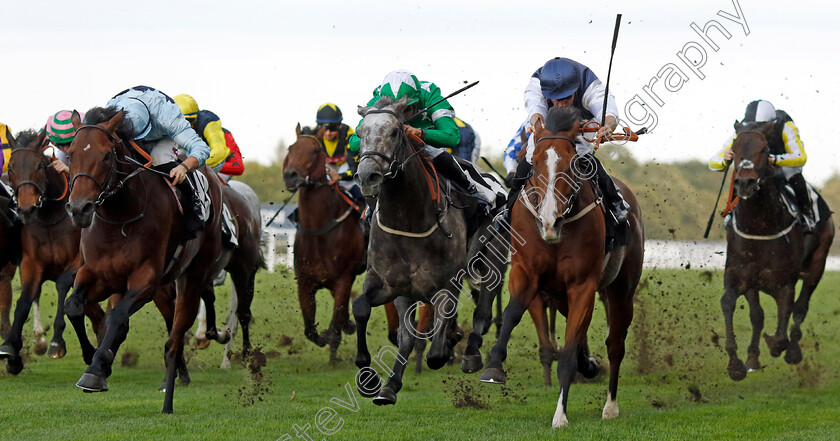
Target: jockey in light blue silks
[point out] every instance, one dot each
(160, 125)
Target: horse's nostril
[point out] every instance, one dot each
(290, 175)
(375, 178)
(88, 208)
(558, 223)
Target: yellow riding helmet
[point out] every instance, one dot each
(187, 105)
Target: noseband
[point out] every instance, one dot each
(747, 164)
(395, 164)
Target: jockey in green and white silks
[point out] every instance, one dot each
(436, 127)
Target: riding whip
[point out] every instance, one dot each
(441, 100)
(712, 216)
(609, 70)
(280, 209)
(493, 168)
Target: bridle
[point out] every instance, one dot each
(395, 164)
(106, 188)
(572, 198)
(307, 179)
(766, 169)
(41, 187)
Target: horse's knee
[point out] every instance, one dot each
(74, 307)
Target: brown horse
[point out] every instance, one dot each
(768, 251)
(329, 244)
(134, 244)
(562, 255)
(50, 244)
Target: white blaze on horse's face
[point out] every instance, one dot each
(548, 208)
(746, 164)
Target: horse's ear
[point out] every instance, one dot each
(113, 123)
(400, 105)
(538, 127)
(298, 131)
(320, 133)
(768, 128)
(737, 125)
(41, 142)
(76, 119)
(575, 128)
(12, 140)
(362, 110)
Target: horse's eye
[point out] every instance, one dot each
(395, 133)
(535, 199)
(108, 156)
(41, 166)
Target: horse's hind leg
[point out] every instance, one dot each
(341, 315)
(736, 368)
(424, 318)
(165, 302)
(186, 308)
(75, 307)
(39, 343)
(445, 308)
(388, 393)
(231, 326)
(57, 346)
(619, 317)
(778, 343)
(201, 340)
(757, 321)
(814, 272)
(393, 319)
(31, 280)
(208, 295)
(244, 286)
(482, 317)
(547, 348)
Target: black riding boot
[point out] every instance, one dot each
(517, 181)
(190, 203)
(803, 201)
(447, 166)
(616, 204)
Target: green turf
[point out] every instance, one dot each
(673, 386)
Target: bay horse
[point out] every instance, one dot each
(50, 245)
(329, 243)
(131, 243)
(767, 250)
(418, 249)
(563, 256)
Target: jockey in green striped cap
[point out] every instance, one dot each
(60, 131)
(435, 126)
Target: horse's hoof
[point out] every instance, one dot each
(471, 364)
(202, 343)
(776, 346)
(493, 375)
(753, 364)
(184, 378)
(350, 327)
(92, 383)
(591, 369)
(368, 383)
(436, 362)
(737, 370)
(39, 347)
(7, 351)
(162, 387)
(57, 350)
(386, 396)
(793, 355)
(14, 365)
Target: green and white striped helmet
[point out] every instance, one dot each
(400, 83)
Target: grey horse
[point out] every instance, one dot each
(419, 251)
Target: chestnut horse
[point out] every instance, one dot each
(563, 257)
(329, 244)
(766, 250)
(131, 243)
(50, 244)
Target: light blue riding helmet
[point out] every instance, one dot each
(138, 113)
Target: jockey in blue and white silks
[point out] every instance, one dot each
(159, 123)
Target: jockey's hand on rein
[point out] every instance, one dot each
(413, 131)
(178, 174)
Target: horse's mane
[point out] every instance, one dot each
(24, 137)
(383, 102)
(561, 119)
(98, 115)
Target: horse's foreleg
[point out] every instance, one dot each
(778, 343)
(39, 343)
(581, 299)
(6, 274)
(757, 321)
(244, 295)
(522, 291)
(373, 294)
(31, 279)
(201, 340)
(306, 299)
(393, 318)
(736, 368)
(388, 393)
(208, 295)
(482, 317)
(57, 346)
